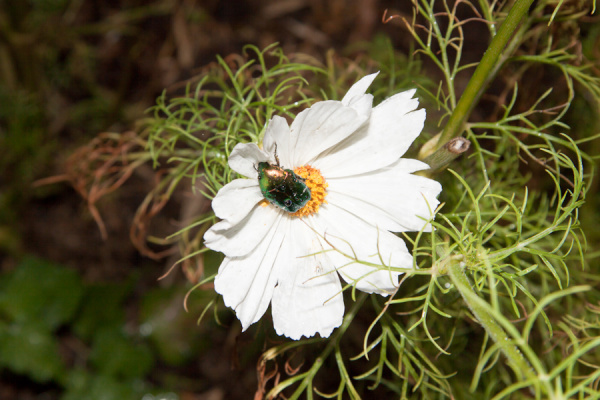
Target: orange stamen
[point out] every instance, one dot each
(317, 185)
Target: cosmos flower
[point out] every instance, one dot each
(286, 247)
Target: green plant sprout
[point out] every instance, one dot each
(502, 300)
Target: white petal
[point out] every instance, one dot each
(245, 157)
(391, 198)
(236, 199)
(318, 128)
(247, 283)
(308, 298)
(278, 133)
(354, 242)
(392, 127)
(367, 211)
(362, 105)
(244, 237)
(358, 89)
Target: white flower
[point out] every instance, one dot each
(286, 259)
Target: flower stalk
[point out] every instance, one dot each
(488, 64)
(480, 310)
(443, 156)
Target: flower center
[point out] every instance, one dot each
(317, 185)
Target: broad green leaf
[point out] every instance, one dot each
(101, 308)
(40, 291)
(30, 349)
(115, 354)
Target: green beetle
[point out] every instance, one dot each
(282, 187)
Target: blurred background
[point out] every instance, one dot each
(82, 316)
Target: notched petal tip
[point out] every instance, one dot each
(307, 333)
(321, 320)
(358, 89)
(247, 283)
(308, 298)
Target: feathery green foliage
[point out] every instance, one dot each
(502, 301)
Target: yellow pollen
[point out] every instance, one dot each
(317, 185)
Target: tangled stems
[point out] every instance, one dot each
(481, 311)
(453, 129)
(306, 379)
(526, 365)
(488, 64)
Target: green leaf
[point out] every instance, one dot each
(114, 354)
(40, 291)
(83, 385)
(30, 349)
(101, 308)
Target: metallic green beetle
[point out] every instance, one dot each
(282, 187)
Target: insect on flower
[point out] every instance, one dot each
(282, 187)
(293, 236)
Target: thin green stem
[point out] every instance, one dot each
(487, 320)
(488, 64)
(443, 41)
(306, 384)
